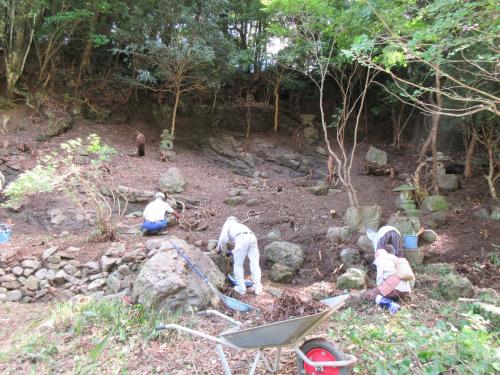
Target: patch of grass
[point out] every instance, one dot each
(419, 343)
(38, 349)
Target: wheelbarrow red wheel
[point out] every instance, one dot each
(319, 350)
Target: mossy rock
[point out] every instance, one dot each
(488, 312)
(452, 286)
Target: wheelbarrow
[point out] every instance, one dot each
(315, 356)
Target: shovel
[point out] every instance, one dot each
(231, 303)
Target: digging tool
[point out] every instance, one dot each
(231, 303)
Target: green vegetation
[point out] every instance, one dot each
(440, 339)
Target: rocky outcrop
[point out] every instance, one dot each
(353, 278)
(374, 155)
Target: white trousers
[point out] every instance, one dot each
(246, 245)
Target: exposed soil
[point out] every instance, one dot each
(286, 204)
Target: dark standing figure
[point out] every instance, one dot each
(141, 143)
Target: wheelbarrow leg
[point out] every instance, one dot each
(273, 369)
(223, 360)
(255, 363)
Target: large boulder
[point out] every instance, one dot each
(374, 155)
(452, 286)
(172, 181)
(321, 188)
(353, 278)
(166, 283)
(405, 225)
(434, 203)
(363, 217)
(285, 253)
(311, 135)
(448, 182)
(281, 273)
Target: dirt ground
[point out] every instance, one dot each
(286, 204)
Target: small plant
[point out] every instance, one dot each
(167, 140)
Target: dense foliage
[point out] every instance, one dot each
(433, 60)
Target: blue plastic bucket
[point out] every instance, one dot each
(5, 234)
(410, 241)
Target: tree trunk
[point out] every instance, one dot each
(17, 51)
(174, 111)
(435, 125)
(469, 156)
(276, 107)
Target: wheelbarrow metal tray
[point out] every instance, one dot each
(275, 335)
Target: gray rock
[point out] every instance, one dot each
(54, 259)
(3, 290)
(321, 188)
(434, 203)
(234, 201)
(18, 271)
(101, 275)
(166, 283)
(3, 297)
(361, 218)
(252, 202)
(495, 214)
(134, 214)
(134, 255)
(488, 312)
(60, 277)
(172, 181)
(223, 263)
(405, 225)
(452, 286)
(428, 236)
(70, 269)
(7, 278)
(124, 269)
(2, 272)
(285, 253)
(116, 249)
(353, 278)
(448, 182)
(31, 283)
(338, 234)
(47, 253)
(11, 284)
(28, 271)
(274, 235)
(50, 275)
(281, 274)
(14, 295)
(374, 155)
(114, 283)
(57, 216)
(31, 263)
(96, 284)
(365, 244)
(107, 263)
(276, 292)
(350, 256)
(212, 245)
(238, 192)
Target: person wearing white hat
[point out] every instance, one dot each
(245, 245)
(154, 215)
(386, 235)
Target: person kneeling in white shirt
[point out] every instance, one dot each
(245, 245)
(154, 215)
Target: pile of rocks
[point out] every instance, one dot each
(58, 275)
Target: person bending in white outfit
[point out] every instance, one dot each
(245, 244)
